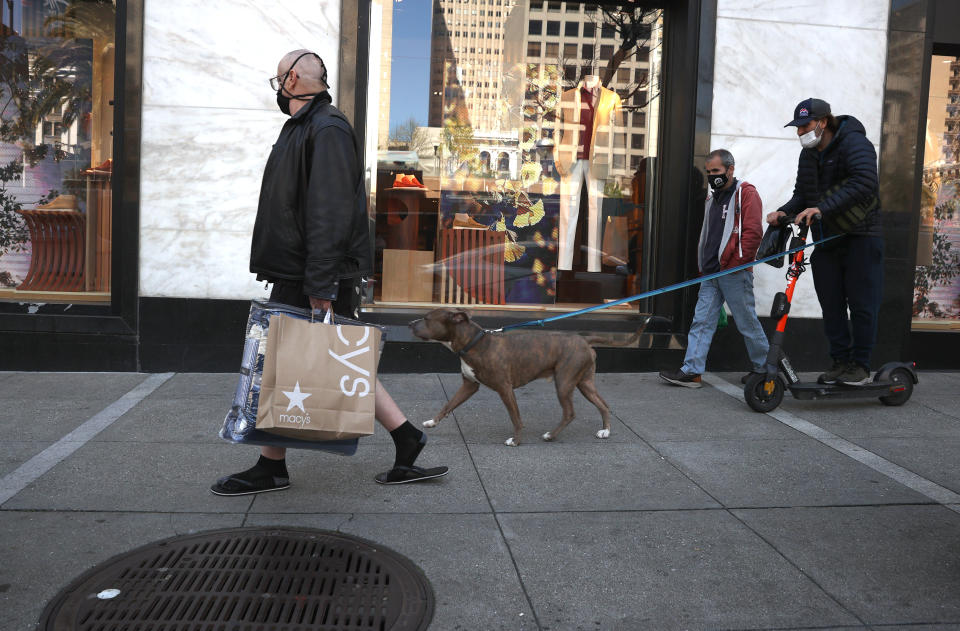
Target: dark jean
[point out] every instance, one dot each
(347, 304)
(850, 275)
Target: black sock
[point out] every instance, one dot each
(409, 441)
(276, 468)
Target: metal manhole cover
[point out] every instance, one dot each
(246, 579)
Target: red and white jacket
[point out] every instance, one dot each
(742, 228)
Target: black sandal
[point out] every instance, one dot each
(234, 485)
(403, 475)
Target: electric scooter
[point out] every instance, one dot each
(892, 384)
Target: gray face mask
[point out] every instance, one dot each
(811, 139)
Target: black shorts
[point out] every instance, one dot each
(347, 304)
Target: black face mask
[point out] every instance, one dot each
(283, 101)
(718, 181)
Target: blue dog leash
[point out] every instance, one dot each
(668, 288)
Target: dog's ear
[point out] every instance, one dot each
(459, 315)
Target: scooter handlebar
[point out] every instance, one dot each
(786, 220)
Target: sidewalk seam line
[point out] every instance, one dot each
(496, 518)
(16, 481)
(917, 483)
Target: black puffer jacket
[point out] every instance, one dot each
(312, 217)
(849, 163)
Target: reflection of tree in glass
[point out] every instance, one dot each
(458, 141)
(39, 78)
(631, 29)
(945, 263)
(410, 136)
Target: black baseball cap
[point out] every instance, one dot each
(807, 110)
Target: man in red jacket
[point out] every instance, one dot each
(731, 233)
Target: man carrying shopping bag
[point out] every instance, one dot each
(311, 240)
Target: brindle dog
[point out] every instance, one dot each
(504, 361)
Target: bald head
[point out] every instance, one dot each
(309, 69)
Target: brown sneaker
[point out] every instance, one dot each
(679, 378)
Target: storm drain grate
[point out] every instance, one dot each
(246, 579)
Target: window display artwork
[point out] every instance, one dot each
(56, 149)
(936, 294)
(531, 134)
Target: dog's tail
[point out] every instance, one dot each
(596, 340)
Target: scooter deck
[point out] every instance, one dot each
(811, 390)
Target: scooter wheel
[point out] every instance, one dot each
(900, 377)
(757, 396)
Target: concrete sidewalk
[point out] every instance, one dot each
(696, 513)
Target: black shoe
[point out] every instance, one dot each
(744, 379)
(854, 375)
(830, 377)
(249, 482)
(679, 378)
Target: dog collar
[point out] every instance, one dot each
(472, 343)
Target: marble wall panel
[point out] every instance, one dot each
(869, 14)
(220, 53)
(770, 55)
(197, 264)
(763, 69)
(202, 167)
(209, 121)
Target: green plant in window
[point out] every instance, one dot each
(36, 81)
(945, 262)
(612, 189)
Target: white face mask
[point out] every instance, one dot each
(810, 139)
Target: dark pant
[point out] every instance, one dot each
(347, 304)
(850, 275)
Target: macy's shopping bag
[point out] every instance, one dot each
(239, 424)
(319, 379)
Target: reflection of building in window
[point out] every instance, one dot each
(480, 70)
(633, 79)
(383, 71)
(467, 42)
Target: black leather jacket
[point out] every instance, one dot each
(312, 220)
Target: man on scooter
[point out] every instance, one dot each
(837, 182)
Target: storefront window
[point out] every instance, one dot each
(56, 150)
(514, 179)
(936, 297)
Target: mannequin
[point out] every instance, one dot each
(587, 116)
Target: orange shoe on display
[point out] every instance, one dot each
(398, 181)
(409, 180)
(104, 167)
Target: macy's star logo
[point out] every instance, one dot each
(296, 398)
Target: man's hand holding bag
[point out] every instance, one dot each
(319, 379)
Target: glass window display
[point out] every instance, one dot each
(56, 150)
(936, 294)
(519, 176)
